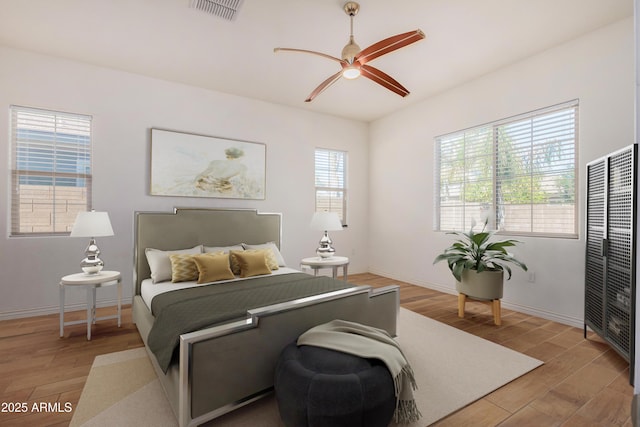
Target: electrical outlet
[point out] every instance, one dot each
(532, 277)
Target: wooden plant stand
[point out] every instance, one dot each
(495, 308)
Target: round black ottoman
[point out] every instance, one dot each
(317, 387)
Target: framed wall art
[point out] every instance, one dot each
(189, 165)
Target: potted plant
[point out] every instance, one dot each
(478, 264)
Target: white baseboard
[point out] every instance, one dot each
(556, 317)
(549, 315)
(43, 311)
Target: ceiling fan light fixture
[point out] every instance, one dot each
(351, 72)
(350, 51)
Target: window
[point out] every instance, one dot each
(520, 173)
(331, 187)
(50, 170)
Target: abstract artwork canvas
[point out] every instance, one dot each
(190, 165)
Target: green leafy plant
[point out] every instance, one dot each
(474, 251)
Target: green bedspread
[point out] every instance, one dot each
(188, 310)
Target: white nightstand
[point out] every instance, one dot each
(90, 282)
(316, 263)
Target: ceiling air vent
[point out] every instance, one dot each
(225, 9)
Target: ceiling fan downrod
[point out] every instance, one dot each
(350, 51)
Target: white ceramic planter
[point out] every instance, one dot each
(487, 285)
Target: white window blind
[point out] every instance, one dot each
(520, 173)
(50, 170)
(331, 188)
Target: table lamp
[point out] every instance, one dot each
(92, 224)
(326, 221)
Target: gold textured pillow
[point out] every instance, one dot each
(183, 268)
(268, 245)
(233, 261)
(213, 267)
(252, 263)
(269, 257)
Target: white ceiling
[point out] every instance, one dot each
(169, 40)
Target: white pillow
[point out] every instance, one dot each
(160, 263)
(224, 249)
(268, 245)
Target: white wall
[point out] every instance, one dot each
(124, 108)
(597, 69)
(390, 227)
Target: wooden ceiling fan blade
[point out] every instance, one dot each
(383, 79)
(388, 45)
(313, 52)
(325, 84)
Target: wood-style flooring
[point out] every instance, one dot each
(582, 383)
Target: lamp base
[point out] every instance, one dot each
(325, 250)
(91, 265)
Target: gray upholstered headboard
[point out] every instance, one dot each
(188, 227)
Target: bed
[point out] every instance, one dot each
(226, 364)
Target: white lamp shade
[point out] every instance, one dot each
(92, 224)
(326, 221)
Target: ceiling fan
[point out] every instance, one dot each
(354, 60)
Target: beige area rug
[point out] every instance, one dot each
(453, 368)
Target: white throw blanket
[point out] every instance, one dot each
(372, 343)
